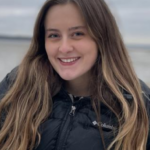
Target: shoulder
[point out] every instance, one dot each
(146, 96)
(5, 85)
(7, 82)
(145, 88)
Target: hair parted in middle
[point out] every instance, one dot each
(37, 82)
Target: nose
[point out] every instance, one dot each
(65, 45)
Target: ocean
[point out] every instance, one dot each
(17, 18)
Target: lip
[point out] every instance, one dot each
(69, 63)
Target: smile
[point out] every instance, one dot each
(68, 61)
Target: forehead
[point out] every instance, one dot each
(64, 14)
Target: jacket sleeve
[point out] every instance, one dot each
(7, 82)
(146, 96)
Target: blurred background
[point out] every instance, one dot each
(17, 18)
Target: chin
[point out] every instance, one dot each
(67, 77)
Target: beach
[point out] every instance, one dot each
(12, 52)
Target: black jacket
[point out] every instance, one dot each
(72, 124)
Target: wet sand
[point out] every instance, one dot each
(12, 52)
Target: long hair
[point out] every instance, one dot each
(28, 103)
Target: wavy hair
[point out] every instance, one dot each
(28, 103)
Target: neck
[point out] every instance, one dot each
(78, 87)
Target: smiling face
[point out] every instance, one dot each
(70, 49)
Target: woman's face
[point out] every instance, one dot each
(70, 49)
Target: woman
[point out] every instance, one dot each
(75, 88)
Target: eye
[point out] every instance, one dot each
(53, 36)
(78, 34)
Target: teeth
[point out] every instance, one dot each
(68, 60)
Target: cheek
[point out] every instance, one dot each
(50, 50)
(87, 46)
(91, 50)
(92, 54)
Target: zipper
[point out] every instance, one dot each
(73, 109)
(65, 127)
(63, 137)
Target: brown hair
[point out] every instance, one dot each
(29, 101)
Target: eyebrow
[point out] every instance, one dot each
(72, 28)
